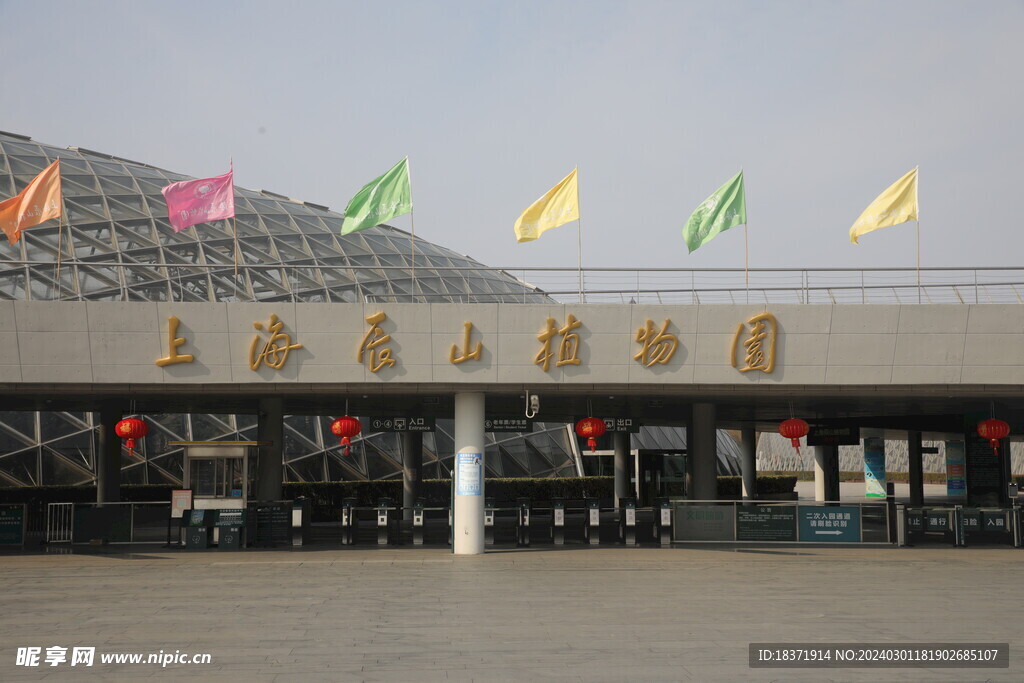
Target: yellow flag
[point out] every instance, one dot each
(898, 204)
(558, 206)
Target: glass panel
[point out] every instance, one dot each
(202, 476)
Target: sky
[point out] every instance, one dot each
(822, 104)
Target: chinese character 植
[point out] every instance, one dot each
(173, 343)
(759, 346)
(276, 349)
(658, 347)
(568, 347)
(374, 338)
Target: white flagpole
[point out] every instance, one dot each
(917, 180)
(579, 234)
(412, 223)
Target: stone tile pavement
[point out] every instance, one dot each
(539, 614)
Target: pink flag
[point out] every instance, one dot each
(199, 201)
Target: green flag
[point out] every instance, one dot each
(724, 209)
(380, 200)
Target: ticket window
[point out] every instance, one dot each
(220, 476)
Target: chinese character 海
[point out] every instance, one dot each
(275, 350)
(466, 353)
(376, 337)
(568, 347)
(173, 343)
(658, 347)
(759, 346)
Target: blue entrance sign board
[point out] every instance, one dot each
(831, 524)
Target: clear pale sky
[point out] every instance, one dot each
(822, 103)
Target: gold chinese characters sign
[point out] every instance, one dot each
(753, 344)
(758, 349)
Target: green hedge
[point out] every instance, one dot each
(770, 483)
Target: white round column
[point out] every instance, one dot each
(468, 475)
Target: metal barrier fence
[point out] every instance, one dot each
(717, 521)
(959, 525)
(298, 283)
(108, 522)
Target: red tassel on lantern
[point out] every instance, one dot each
(131, 429)
(346, 427)
(591, 428)
(993, 430)
(793, 429)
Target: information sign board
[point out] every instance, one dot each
(829, 524)
(874, 467)
(402, 424)
(956, 481)
(705, 523)
(469, 474)
(984, 472)
(848, 435)
(766, 523)
(12, 525)
(621, 424)
(508, 423)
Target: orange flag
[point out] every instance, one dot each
(39, 201)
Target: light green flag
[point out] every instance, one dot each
(724, 209)
(380, 200)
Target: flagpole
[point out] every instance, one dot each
(917, 179)
(412, 224)
(234, 223)
(579, 234)
(746, 262)
(60, 247)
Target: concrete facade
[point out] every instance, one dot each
(118, 343)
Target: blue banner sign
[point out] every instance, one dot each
(874, 467)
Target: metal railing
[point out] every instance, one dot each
(312, 282)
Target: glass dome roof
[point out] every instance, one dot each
(120, 246)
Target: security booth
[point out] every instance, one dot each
(221, 476)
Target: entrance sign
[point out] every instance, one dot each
(956, 482)
(832, 524)
(508, 423)
(469, 474)
(402, 424)
(766, 523)
(874, 467)
(705, 523)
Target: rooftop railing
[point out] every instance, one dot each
(85, 280)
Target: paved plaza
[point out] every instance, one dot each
(578, 613)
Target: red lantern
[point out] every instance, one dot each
(590, 428)
(793, 429)
(993, 430)
(346, 427)
(130, 429)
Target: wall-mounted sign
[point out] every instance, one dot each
(831, 524)
(508, 423)
(402, 424)
(621, 424)
(766, 523)
(469, 476)
(833, 436)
